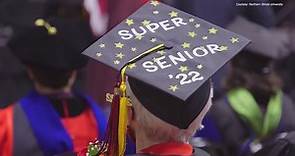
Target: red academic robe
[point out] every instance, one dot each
(17, 134)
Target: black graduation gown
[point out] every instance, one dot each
(233, 130)
(281, 147)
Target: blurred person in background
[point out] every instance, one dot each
(254, 109)
(14, 81)
(285, 66)
(283, 145)
(54, 117)
(14, 16)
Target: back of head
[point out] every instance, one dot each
(51, 48)
(249, 66)
(159, 109)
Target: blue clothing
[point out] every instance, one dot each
(46, 125)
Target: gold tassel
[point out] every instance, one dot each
(123, 115)
(124, 100)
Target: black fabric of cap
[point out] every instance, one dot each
(168, 107)
(61, 51)
(169, 56)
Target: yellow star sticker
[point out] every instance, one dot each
(129, 22)
(154, 3)
(161, 52)
(173, 14)
(192, 34)
(119, 45)
(186, 45)
(120, 55)
(213, 30)
(223, 48)
(116, 62)
(133, 49)
(139, 37)
(131, 66)
(183, 69)
(145, 22)
(234, 40)
(173, 88)
(98, 54)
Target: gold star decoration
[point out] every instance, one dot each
(133, 49)
(197, 25)
(205, 37)
(173, 14)
(173, 88)
(138, 37)
(192, 34)
(98, 54)
(116, 62)
(120, 55)
(145, 22)
(213, 30)
(153, 40)
(155, 12)
(183, 69)
(119, 45)
(223, 48)
(234, 40)
(154, 3)
(131, 66)
(102, 45)
(186, 45)
(129, 22)
(161, 52)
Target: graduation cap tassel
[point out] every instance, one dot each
(112, 138)
(123, 114)
(117, 127)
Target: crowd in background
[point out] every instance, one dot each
(263, 72)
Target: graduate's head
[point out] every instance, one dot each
(50, 49)
(161, 117)
(259, 76)
(169, 57)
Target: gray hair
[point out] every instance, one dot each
(161, 131)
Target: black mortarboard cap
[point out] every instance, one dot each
(175, 55)
(284, 146)
(53, 43)
(20, 14)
